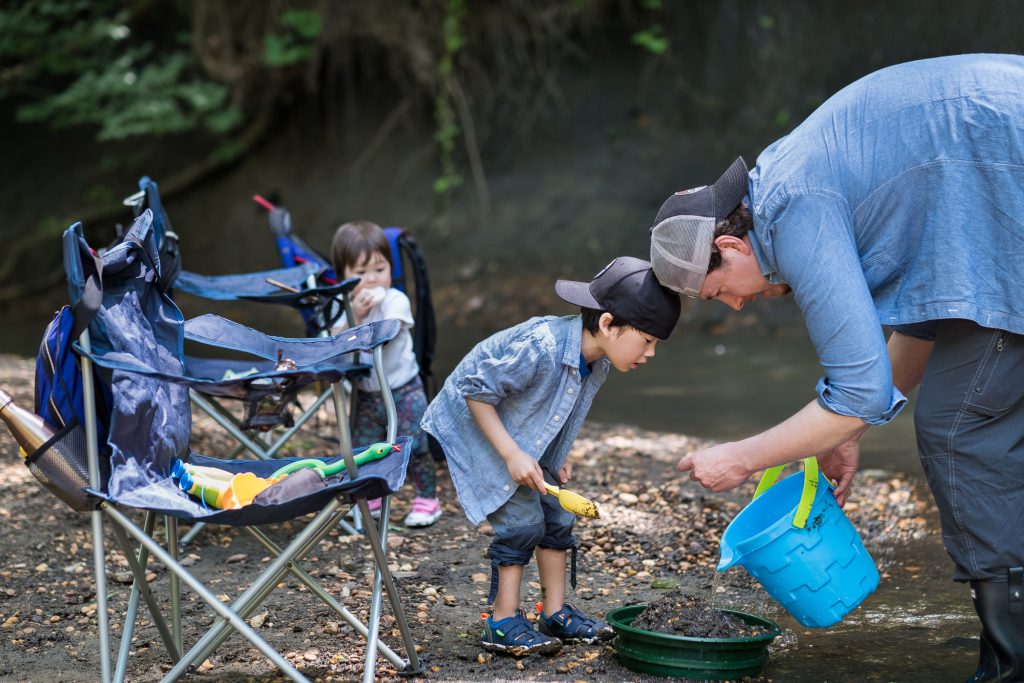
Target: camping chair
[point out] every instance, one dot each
(268, 424)
(297, 287)
(137, 337)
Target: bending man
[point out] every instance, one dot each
(899, 202)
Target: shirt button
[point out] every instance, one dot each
(557, 418)
(538, 443)
(506, 487)
(570, 390)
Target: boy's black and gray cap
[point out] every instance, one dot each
(628, 289)
(685, 228)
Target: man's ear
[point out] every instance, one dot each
(724, 242)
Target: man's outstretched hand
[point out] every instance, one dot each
(718, 468)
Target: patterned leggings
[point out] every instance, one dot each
(371, 425)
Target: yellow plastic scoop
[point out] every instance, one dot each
(574, 502)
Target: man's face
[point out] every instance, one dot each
(738, 281)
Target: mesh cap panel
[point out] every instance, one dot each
(681, 251)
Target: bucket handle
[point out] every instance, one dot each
(803, 509)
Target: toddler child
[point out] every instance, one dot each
(360, 249)
(506, 419)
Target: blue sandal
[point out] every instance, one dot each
(516, 636)
(569, 623)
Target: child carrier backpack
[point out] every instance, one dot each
(408, 274)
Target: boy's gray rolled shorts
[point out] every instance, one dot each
(970, 437)
(528, 520)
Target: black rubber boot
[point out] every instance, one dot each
(1000, 605)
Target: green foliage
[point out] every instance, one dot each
(447, 130)
(298, 43)
(653, 39)
(135, 95)
(80, 62)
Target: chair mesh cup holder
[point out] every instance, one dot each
(61, 465)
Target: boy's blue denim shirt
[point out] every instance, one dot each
(899, 201)
(530, 373)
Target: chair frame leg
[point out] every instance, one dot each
(174, 584)
(209, 598)
(140, 586)
(383, 575)
(259, 589)
(322, 593)
(102, 622)
(128, 629)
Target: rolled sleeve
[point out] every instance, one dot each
(495, 378)
(829, 400)
(816, 254)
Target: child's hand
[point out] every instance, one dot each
(363, 300)
(525, 471)
(565, 473)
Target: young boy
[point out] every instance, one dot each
(506, 419)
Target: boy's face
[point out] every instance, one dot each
(373, 271)
(627, 347)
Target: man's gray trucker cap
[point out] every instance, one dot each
(685, 226)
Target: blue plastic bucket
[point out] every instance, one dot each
(799, 544)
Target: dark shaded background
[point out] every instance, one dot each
(578, 149)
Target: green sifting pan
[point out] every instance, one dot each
(663, 654)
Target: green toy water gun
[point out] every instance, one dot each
(374, 452)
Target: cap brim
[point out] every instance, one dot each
(731, 188)
(577, 293)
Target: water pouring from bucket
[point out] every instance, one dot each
(797, 542)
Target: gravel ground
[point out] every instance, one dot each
(657, 531)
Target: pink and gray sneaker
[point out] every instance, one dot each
(425, 511)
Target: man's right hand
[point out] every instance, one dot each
(525, 470)
(840, 465)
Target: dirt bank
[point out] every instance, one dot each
(656, 531)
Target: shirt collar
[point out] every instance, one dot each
(573, 341)
(768, 269)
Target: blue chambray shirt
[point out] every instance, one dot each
(530, 373)
(900, 200)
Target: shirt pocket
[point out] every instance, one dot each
(997, 385)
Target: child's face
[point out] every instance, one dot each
(627, 347)
(372, 269)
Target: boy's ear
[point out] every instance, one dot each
(604, 323)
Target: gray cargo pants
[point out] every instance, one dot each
(970, 437)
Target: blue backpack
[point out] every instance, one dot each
(59, 396)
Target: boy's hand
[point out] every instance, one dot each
(525, 471)
(565, 473)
